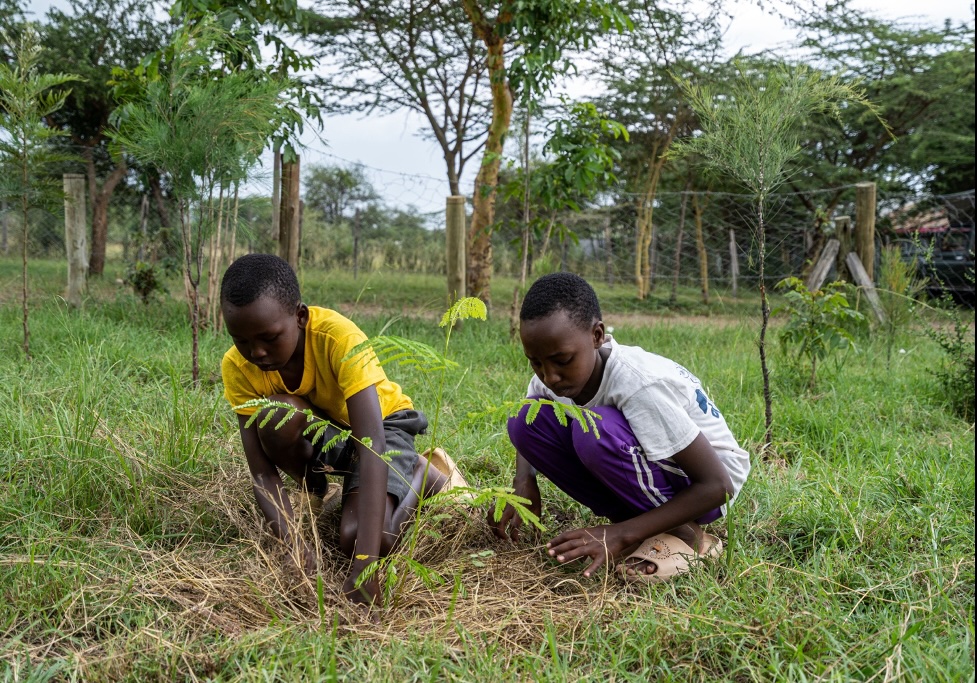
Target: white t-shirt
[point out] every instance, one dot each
(665, 405)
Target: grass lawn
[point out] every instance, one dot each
(131, 547)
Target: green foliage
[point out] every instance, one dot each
(267, 409)
(203, 126)
(198, 123)
(562, 411)
(955, 371)
(820, 323)
(463, 309)
(27, 97)
(751, 130)
(579, 161)
(547, 32)
(145, 280)
(753, 124)
(921, 77)
(389, 349)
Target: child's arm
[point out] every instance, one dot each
(366, 421)
(270, 494)
(525, 485)
(710, 488)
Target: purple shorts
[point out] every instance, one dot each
(609, 475)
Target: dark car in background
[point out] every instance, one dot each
(941, 241)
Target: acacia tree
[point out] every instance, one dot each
(922, 81)
(406, 55)
(639, 74)
(91, 39)
(540, 35)
(204, 125)
(27, 96)
(751, 132)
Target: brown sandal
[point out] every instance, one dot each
(671, 555)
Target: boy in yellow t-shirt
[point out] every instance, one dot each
(287, 351)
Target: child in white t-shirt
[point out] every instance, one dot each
(663, 462)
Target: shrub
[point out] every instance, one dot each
(820, 323)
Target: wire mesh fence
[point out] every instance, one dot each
(703, 241)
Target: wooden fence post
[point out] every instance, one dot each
(861, 277)
(820, 270)
(276, 195)
(843, 233)
(75, 237)
(455, 247)
(288, 243)
(865, 226)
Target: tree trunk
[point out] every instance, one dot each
(290, 214)
(214, 259)
(762, 344)
(644, 241)
(100, 198)
(700, 246)
(483, 199)
(276, 194)
(4, 229)
(678, 248)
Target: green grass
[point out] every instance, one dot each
(131, 548)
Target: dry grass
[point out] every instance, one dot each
(241, 588)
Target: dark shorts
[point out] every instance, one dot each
(341, 460)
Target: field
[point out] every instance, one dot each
(131, 548)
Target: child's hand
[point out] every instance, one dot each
(305, 559)
(367, 593)
(309, 562)
(508, 525)
(600, 543)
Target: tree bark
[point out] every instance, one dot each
(288, 242)
(673, 298)
(276, 195)
(700, 246)
(100, 198)
(4, 229)
(643, 261)
(486, 182)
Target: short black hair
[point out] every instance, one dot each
(253, 276)
(562, 292)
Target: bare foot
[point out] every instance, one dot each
(435, 480)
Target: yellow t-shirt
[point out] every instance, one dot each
(327, 381)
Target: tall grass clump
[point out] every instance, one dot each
(899, 289)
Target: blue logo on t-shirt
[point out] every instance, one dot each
(705, 405)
